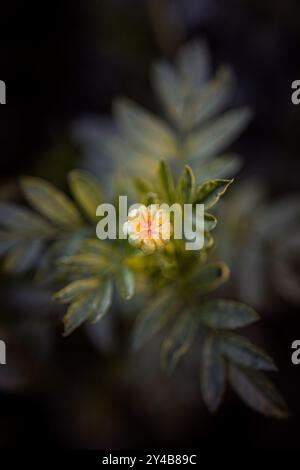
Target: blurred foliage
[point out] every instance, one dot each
(57, 240)
(193, 131)
(260, 241)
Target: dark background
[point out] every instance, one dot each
(62, 60)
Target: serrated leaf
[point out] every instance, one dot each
(21, 219)
(86, 190)
(186, 186)
(257, 391)
(23, 256)
(50, 202)
(210, 276)
(152, 320)
(76, 289)
(166, 181)
(227, 314)
(242, 352)
(217, 135)
(104, 303)
(210, 192)
(79, 311)
(212, 373)
(144, 129)
(179, 339)
(125, 283)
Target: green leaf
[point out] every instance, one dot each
(209, 242)
(258, 392)
(7, 241)
(193, 60)
(23, 256)
(186, 186)
(212, 374)
(213, 97)
(210, 221)
(166, 181)
(50, 202)
(142, 186)
(210, 276)
(86, 190)
(104, 303)
(227, 314)
(210, 192)
(79, 311)
(145, 130)
(217, 135)
(102, 248)
(168, 87)
(179, 339)
(86, 263)
(242, 352)
(76, 289)
(125, 283)
(223, 166)
(21, 219)
(152, 320)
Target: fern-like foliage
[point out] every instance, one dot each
(57, 238)
(193, 131)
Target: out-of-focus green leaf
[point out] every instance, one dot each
(23, 256)
(153, 319)
(104, 303)
(227, 314)
(242, 352)
(209, 241)
(7, 241)
(179, 339)
(257, 391)
(210, 276)
(125, 283)
(212, 373)
(223, 166)
(76, 289)
(168, 87)
(285, 277)
(142, 186)
(80, 310)
(281, 215)
(21, 219)
(86, 190)
(86, 263)
(210, 221)
(100, 248)
(215, 136)
(50, 202)
(186, 186)
(212, 98)
(145, 129)
(166, 181)
(193, 61)
(210, 192)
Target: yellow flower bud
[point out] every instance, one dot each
(148, 228)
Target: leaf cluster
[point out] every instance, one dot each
(57, 239)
